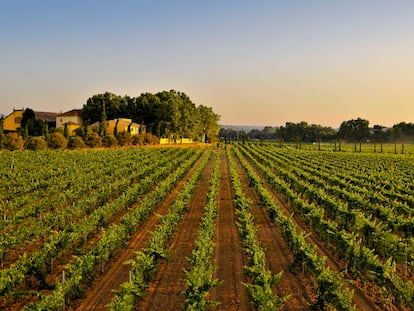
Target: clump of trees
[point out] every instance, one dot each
(354, 131)
(169, 114)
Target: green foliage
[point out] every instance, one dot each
(36, 143)
(109, 141)
(138, 140)
(331, 288)
(1, 133)
(166, 114)
(145, 139)
(262, 279)
(101, 107)
(146, 261)
(30, 125)
(354, 130)
(13, 141)
(199, 279)
(93, 140)
(150, 139)
(81, 270)
(57, 140)
(76, 142)
(124, 138)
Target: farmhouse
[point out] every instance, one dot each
(72, 120)
(13, 121)
(122, 125)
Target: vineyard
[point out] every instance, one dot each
(236, 227)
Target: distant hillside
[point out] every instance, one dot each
(246, 128)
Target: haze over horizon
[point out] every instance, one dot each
(256, 63)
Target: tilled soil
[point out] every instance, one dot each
(231, 294)
(364, 298)
(165, 290)
(278, 256)
(101, 292)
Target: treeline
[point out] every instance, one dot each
(166, 114)
(354, 130)
(170, 114)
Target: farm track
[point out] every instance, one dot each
(278, 255)
(101, 291)
(364, 299)
(165, 289)
(229, 258)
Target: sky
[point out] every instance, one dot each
(260, 62)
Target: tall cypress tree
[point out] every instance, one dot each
(66, 131)
(1, 133)
(102, 127)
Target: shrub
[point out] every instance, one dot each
(151, 139)
(13, 141)
(76, 142)
(124, 139)
(57, 140)
(109, 141)
(36, 143)
(138, 139)
(93, 140)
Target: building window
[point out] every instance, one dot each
(17, 120)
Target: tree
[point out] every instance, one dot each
(355, 130)
(102, 125)
(168, 114)
(66, 131)
(30, 125)
(209, 124)
(93, 109)
(1, 133)
(45, 131)
(402, 132)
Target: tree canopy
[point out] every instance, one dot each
(355, 130)
(169, 114)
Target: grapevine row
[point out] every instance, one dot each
(199, 279)
(332, 290)
(361, 261)
(146, 262)
(262, 279)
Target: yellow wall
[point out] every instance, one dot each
(72, 128)
(165, 141)
(13, 121)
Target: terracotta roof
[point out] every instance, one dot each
(46, 116)
(71, 113)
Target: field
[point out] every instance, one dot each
(236, 227)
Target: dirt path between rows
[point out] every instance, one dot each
(363, 299)
(278, 255)
(165, 290)
(101, 293)
(231, 294)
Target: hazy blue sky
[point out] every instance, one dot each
(254, 62)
